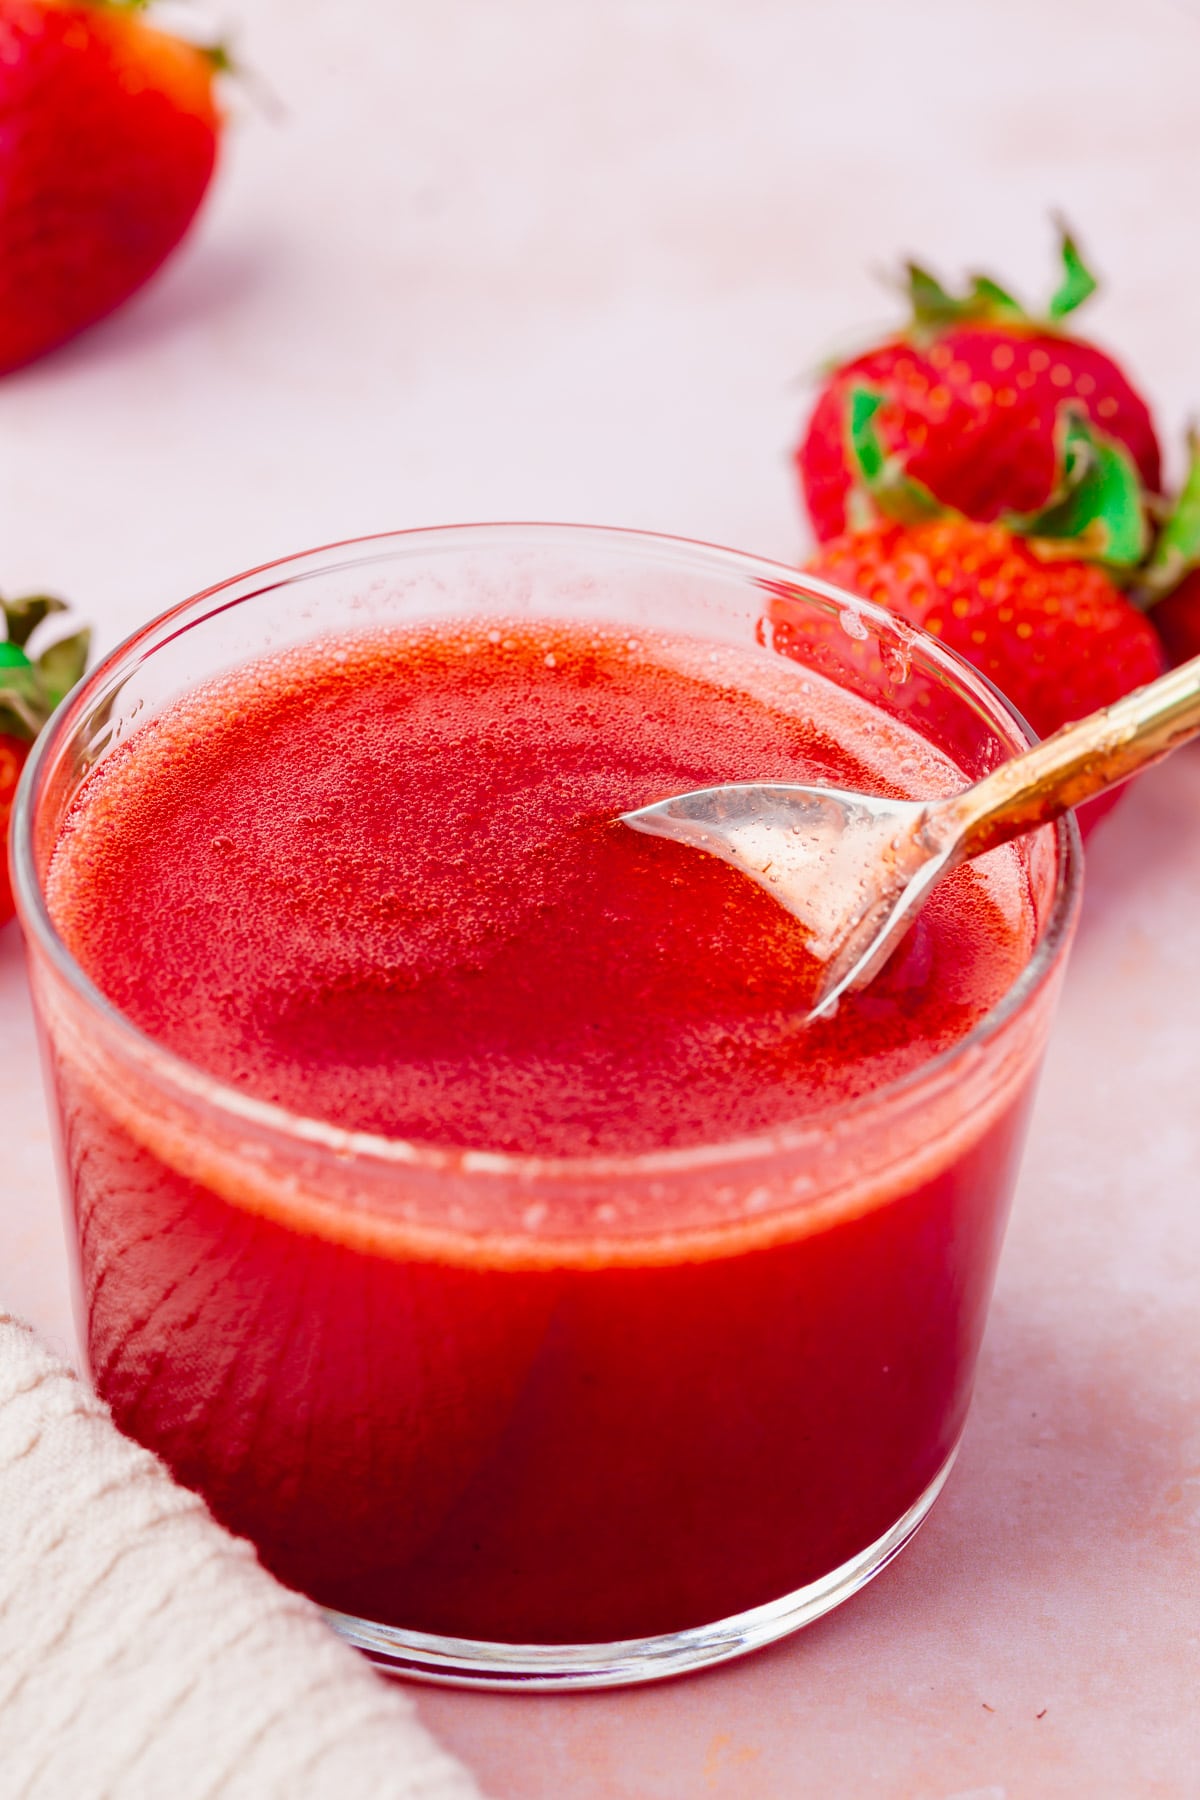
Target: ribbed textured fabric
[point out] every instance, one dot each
(145, 1653)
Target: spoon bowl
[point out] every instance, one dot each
(852, 868)
(855, 869)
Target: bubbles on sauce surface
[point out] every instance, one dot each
(380, 880)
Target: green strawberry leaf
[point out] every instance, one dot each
(1177, 550)
(1097, 509)
(932, 307)
(866, 403)
(21, 714)
(894, 493)
(935, 310)
(992, 304)
(22, 707)
(62, 664)
(22, 617)
(30, 690)
(1078, 283)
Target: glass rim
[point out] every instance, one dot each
(189, 1079)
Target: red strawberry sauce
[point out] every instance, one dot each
(379, 882)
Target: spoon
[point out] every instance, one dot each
(855, 869)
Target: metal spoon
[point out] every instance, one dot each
(855, 869)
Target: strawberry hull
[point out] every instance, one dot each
(974, 418)
(977, 400)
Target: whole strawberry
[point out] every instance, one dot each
(30, 689)
(972, 394)
(108, 138)
(1055, 636)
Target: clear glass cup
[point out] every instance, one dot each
(526, 1422)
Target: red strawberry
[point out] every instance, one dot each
(108, 136)
(972, 395)
(1057, 637)
(13, 751)
(29, 691)
(1177, 619)
(1169, 586)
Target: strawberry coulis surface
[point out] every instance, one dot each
(384, 884)
(379, 880)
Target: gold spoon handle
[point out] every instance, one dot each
(1080, 760)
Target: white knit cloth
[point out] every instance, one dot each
(145, 1653)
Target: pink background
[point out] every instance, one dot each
(544, 260)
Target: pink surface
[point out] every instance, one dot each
(537, 260)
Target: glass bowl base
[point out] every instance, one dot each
(626, 1662)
